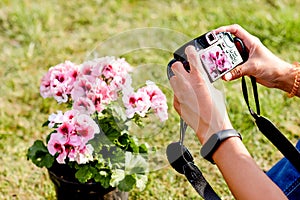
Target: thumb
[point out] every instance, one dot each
(234, 74)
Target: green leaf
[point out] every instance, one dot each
(138, 120)
(103, 178)
(46, 123)
(123, 141)
(109, 127)
(49, 136)
(118, 158)
(135, 164)
(112, 134)
(143, 148)
(47, 160)
(116, 176)
(85, 173)
(133, 146)
(141, 181)
(127, 143)
(39, 155)
(127, 183)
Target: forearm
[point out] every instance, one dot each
(244, 178)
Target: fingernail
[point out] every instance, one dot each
(228, 76)
(190, 49)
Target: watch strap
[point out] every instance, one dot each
(212, 144)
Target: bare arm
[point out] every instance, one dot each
(243, 176)
(194, 101)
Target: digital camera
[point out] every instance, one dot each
(219, 54)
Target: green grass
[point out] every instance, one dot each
(37, 34)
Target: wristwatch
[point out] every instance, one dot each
(212, 144)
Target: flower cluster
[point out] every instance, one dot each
(145, 98)
(95, 84)
(59, 81)
(74, 130)
(92, 90)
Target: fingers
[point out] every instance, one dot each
(236, 73)
(194, 62)
(235, 29)
(178, 69)
(193, 58)
(179, 81)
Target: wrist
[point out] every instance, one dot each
(214, 142)
(203, 136)
(235, 146)
(286, 77)
(295, 88)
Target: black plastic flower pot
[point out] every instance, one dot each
(74, 190)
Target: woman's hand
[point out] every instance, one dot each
(268, 69)
(200, 105)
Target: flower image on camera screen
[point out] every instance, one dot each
(216, 61)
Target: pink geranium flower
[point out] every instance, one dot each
(102, 90)
(157, 98)
(81, 87)
(85, 126)
(69, 115)
(56, 144)
(84, 154)
(74, 130)
(84, 105)
(138, 102)
(59, 81)
(55, 118)
(65, 129)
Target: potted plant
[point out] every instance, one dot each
(90, 149)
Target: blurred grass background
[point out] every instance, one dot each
(37, 34)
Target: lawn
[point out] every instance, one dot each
(37, 34)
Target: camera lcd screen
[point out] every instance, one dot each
(220, 58)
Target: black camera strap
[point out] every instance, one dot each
(183, 162)
(269, 129)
